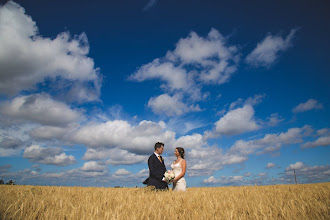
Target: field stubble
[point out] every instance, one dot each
(307, 201)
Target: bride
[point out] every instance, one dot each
(179, 168)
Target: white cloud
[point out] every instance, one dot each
(115, 156)
(270, 165)
(92, 166)
(122, 172)
(309, 174)
(171, 105)
(27, 58)
(307, 106)
(52, 132)
(323, 131)
(138, 139)
(320, 142)
(262, 174)
(267, 51)
(296, 166)
(270, 142)
(213, 62)
(206, 160)
(176, 78)
(40, 108)
(48, 155)
(274, 119)
(216, 60)
(237, 121)
(193, 141)
(224, 180)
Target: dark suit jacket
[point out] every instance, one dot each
(156, 173)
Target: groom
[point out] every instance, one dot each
(156, 168)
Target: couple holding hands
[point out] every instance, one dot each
(157, 170)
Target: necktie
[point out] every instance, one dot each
(160, 159)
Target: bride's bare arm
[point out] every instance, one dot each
(183, 165)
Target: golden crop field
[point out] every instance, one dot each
(306, 201)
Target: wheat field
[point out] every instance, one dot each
(307, 201)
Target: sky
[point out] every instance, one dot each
(88, 87)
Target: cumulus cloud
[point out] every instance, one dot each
(93, 166)
(307, 106)
(27, 59)
(115, 156)
(175, 77)
(40, 108)
(307, 173)
(171, 105)
(267, 51)
(122, 172)
(270, 165)
(224, 180)
(52, 132)
(195, 61)
(270, 142)
(320, 142)
(48, 155)
(193, 141)
(138, 139)
(206, 160)
(237, 121)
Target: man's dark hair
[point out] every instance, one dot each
(159, 145)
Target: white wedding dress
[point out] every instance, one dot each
(181, 183)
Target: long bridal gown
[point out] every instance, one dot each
(181, 183)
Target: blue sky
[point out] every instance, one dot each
(87, 88)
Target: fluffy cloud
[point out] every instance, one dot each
(213, 62)
(175, 77)
(270, 165)
(218, 61)
(307, 106)
(307, 173)
(270, 142)
(224, 180)
(48, 155)
(237, 121)
(267, 51)
(138, 139)
(52, 132)
(27, 59)
(115, 156)
(171, 105)
(122, 172)
(320, 142)
(194, 141)
(206, 160)
(93, 166)
(40, 108)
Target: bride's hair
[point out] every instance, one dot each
(181, 152)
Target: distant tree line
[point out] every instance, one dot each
(10, 182)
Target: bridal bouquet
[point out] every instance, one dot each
(169, 176)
